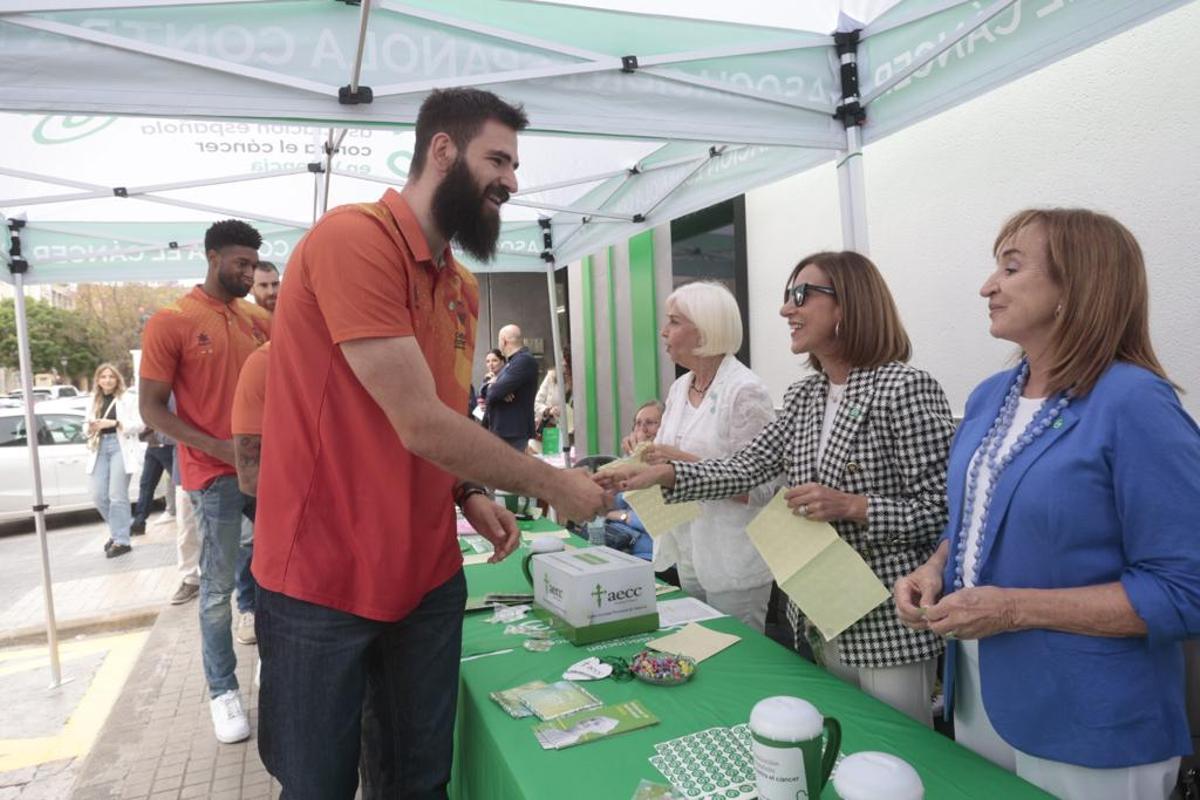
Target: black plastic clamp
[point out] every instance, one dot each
(639, 218)
(316, 166)
(120, 191)
(172, 245)
(16, 264)
(629, 63)
(363, 96)
(846, 42)
(849, 111)
(42, 507)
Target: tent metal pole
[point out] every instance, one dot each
(560, 390)
(851, 186)
(332, 147)
(157, 187)
(363, 17)
(17, 266)
(852, 193)
(982, 18)
(169, 54)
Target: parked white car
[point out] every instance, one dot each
(63, 453)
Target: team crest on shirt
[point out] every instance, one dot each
(204, 343)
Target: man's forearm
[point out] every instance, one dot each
(462, 448)
(158, 416)
(247, 450)
(1102, 610)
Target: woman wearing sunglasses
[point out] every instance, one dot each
(862, 444)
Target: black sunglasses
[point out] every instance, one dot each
(799, 291)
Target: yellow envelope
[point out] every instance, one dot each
(695, 641)
(826, 578)
(658, 516)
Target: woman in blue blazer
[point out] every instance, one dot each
(1069, 572)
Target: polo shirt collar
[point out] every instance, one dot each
(411, 229)
(198, 293)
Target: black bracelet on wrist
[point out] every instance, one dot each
(466, 489)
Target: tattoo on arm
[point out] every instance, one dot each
(247, 451)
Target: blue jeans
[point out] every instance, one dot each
(324, 671)
(219, 517)
(110, 489)
(157, 461)
(247, 587)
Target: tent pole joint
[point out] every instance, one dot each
(120, 191)
(850, 111)
(547, 240)
(629, 63)
(316, 167)
(348, 96)
(17, 265)
(638, 218)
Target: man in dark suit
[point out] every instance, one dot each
(510, 396)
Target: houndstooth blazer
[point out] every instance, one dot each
(889, 442)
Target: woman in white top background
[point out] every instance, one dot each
(862, 444)
(713, 410)
(113, 425)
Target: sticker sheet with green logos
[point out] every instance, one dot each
(714, 763)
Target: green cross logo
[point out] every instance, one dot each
(599, 595)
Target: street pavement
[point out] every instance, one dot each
(131, 718)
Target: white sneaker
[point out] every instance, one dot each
(245, 628)
(229, 718)
(163, 518)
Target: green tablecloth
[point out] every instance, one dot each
(497, 756)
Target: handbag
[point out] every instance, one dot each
(93, 439)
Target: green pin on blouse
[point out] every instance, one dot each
(1058, 423)
(855, 411)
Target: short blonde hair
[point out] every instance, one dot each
(713, 310)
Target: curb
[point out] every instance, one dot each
(130, 619)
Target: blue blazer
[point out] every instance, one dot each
(513, 419)
(1110, 494)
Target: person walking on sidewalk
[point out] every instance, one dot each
(159, 458)
(113, 426)
(195, 347)
(365, 453)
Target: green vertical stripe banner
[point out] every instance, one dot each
(589, 356)
(643, 312)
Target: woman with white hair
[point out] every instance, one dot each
(713, 410)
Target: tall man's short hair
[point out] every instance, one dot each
(460, 113)
(233, 232)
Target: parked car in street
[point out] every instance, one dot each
(63, 453)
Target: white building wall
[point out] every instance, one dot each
(1112, 128)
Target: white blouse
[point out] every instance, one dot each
(735, 409)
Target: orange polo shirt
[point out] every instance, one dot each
(250, 397)
(198, 345)
(347, 517)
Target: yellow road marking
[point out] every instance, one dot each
(79, 734)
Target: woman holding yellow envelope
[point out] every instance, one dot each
(862, 445)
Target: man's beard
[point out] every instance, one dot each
(460, 213)
(233, 285)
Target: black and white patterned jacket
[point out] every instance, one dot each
(890, 440)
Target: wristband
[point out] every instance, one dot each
(467, 489)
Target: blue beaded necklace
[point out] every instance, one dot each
(989, 449)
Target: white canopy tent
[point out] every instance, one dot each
(636, 118)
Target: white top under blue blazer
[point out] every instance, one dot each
(1110, 494)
